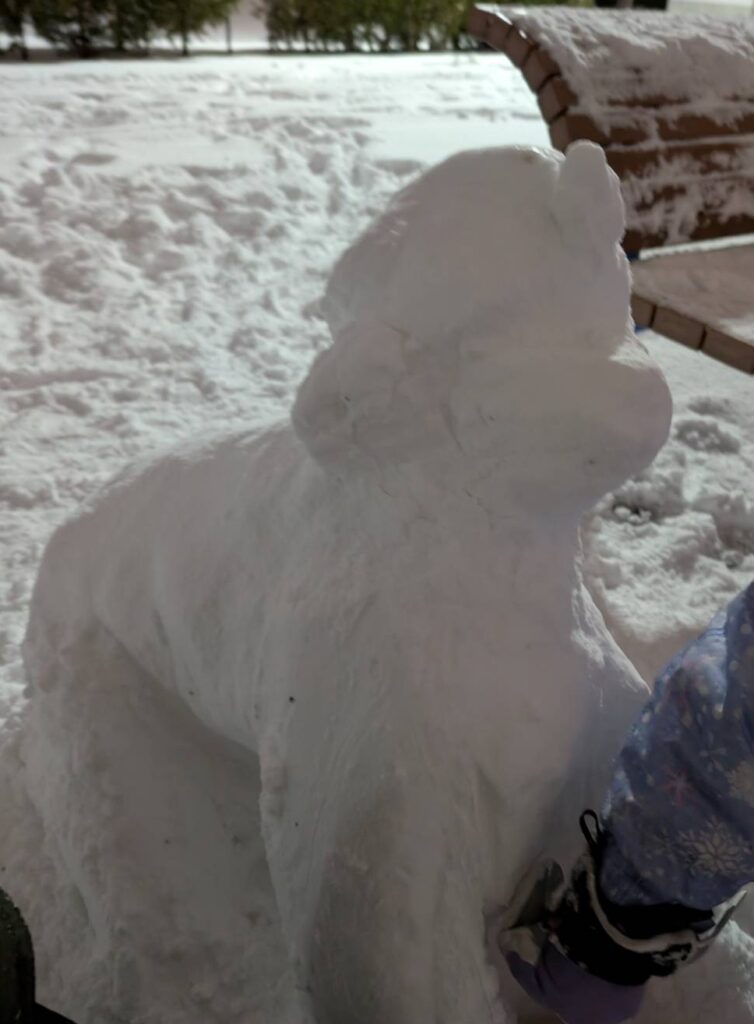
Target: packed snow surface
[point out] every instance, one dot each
(167, 235)
(714, 286)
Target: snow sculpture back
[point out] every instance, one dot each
(389, 617)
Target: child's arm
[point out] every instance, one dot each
(666, 869)
(679, 816)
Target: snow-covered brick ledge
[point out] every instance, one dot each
(671, 98)
(702, 299)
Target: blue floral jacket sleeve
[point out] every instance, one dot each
(680, 809)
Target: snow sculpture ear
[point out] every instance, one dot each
(587, 201)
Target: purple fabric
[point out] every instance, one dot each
(682, 785)
(575, 996)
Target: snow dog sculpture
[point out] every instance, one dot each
(362, 632)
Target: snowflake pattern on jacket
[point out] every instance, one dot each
(680, 808)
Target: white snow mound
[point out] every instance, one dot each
(351, 664)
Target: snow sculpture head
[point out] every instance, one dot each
(484, 316)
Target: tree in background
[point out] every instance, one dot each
(447, 25)
(86, 27)
(131, 23)
(13, 14)
(280, 24)
(431, 24)
(333, 25)
(81, 26)
(376, 25)
(292, 21)
(184, 18)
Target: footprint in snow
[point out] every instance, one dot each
(720, 408)
(705, 435)
(92, 159)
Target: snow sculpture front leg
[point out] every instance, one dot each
(362, 939)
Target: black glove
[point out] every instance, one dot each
(17, 1005)
(627, 945)
(16, 966)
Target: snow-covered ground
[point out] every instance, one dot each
(166, 232)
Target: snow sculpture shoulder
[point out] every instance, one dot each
(382, 606)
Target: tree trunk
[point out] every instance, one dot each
(228, 36)
(118, 27)
(83, 40)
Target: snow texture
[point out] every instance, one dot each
(713, 286)
(201, 204)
